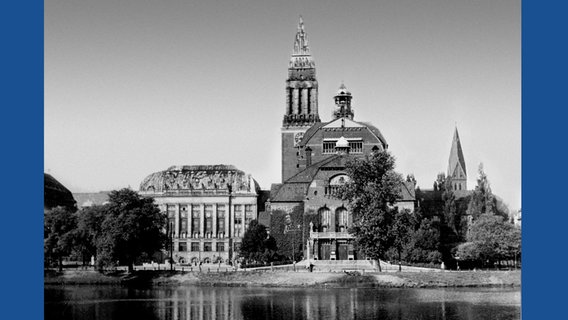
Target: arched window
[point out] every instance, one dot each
(336, 182)
(325, 218)
(341, 219)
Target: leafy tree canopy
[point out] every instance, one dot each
(59, 226)
(371, 191)
(89, 229)
(133, 226)
(257, 245)
(491, 238)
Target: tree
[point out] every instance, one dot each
(372, 190)
(482, 200)
(289, 229)
(257, 245)
(424, 243)
(89, 230)
(59, 226)
(400, 233)
(492, 239)
(133, 226)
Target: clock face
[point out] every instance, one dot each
(297, 138)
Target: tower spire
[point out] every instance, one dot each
(301, 86)
(301, 47)
(301, 111)
(456, 164)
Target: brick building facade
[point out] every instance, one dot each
(314, 156)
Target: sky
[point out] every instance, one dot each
(133, 87)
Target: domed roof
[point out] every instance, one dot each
(342, 143)
(200, 177)
(56, 194)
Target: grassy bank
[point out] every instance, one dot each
(293, 279)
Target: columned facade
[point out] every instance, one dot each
(207, 208)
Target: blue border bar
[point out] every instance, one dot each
(21, 129)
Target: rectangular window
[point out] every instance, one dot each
(171, 213)
(356, 146)
(249, 215)
(182, 247)
(329, 146)
(207, 246)
(208, 218)
(195, 246)
(221, 218)
(221, 211)
(238, 220)
(220, 247)
(195, 212)
(183, 220)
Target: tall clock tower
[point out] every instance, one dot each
(301, 101)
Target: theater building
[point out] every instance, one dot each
(208, 209)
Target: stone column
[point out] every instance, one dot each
(189, 221)
(176, 221)
(314, 101)
(231, 221)
(316, 249)
(214, 217)
(288, 101)
(305, 101)
(227, 220)
(295, 101)
(202, 221)
(244, 220)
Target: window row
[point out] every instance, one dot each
(338, 222)
(195, 246)
(354, 146)
(210, 218)
(208, 209)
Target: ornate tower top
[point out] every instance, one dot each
(301, 85)
(343, 103)
(301, 59)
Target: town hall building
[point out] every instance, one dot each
(314, 157)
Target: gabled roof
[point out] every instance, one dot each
(377, 133)
(310, 132)
(407, 191)
(296, 188)
(347, 123)
(337, 124)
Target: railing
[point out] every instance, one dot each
(195, 192)
(328, 235)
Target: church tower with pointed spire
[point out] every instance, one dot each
(456, 165)
(301, 110)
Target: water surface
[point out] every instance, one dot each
(184, 303)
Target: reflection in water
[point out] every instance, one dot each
(185, 303)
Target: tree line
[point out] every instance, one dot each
(127, 229)
(472, 229)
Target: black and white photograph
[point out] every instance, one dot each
(282, 159)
